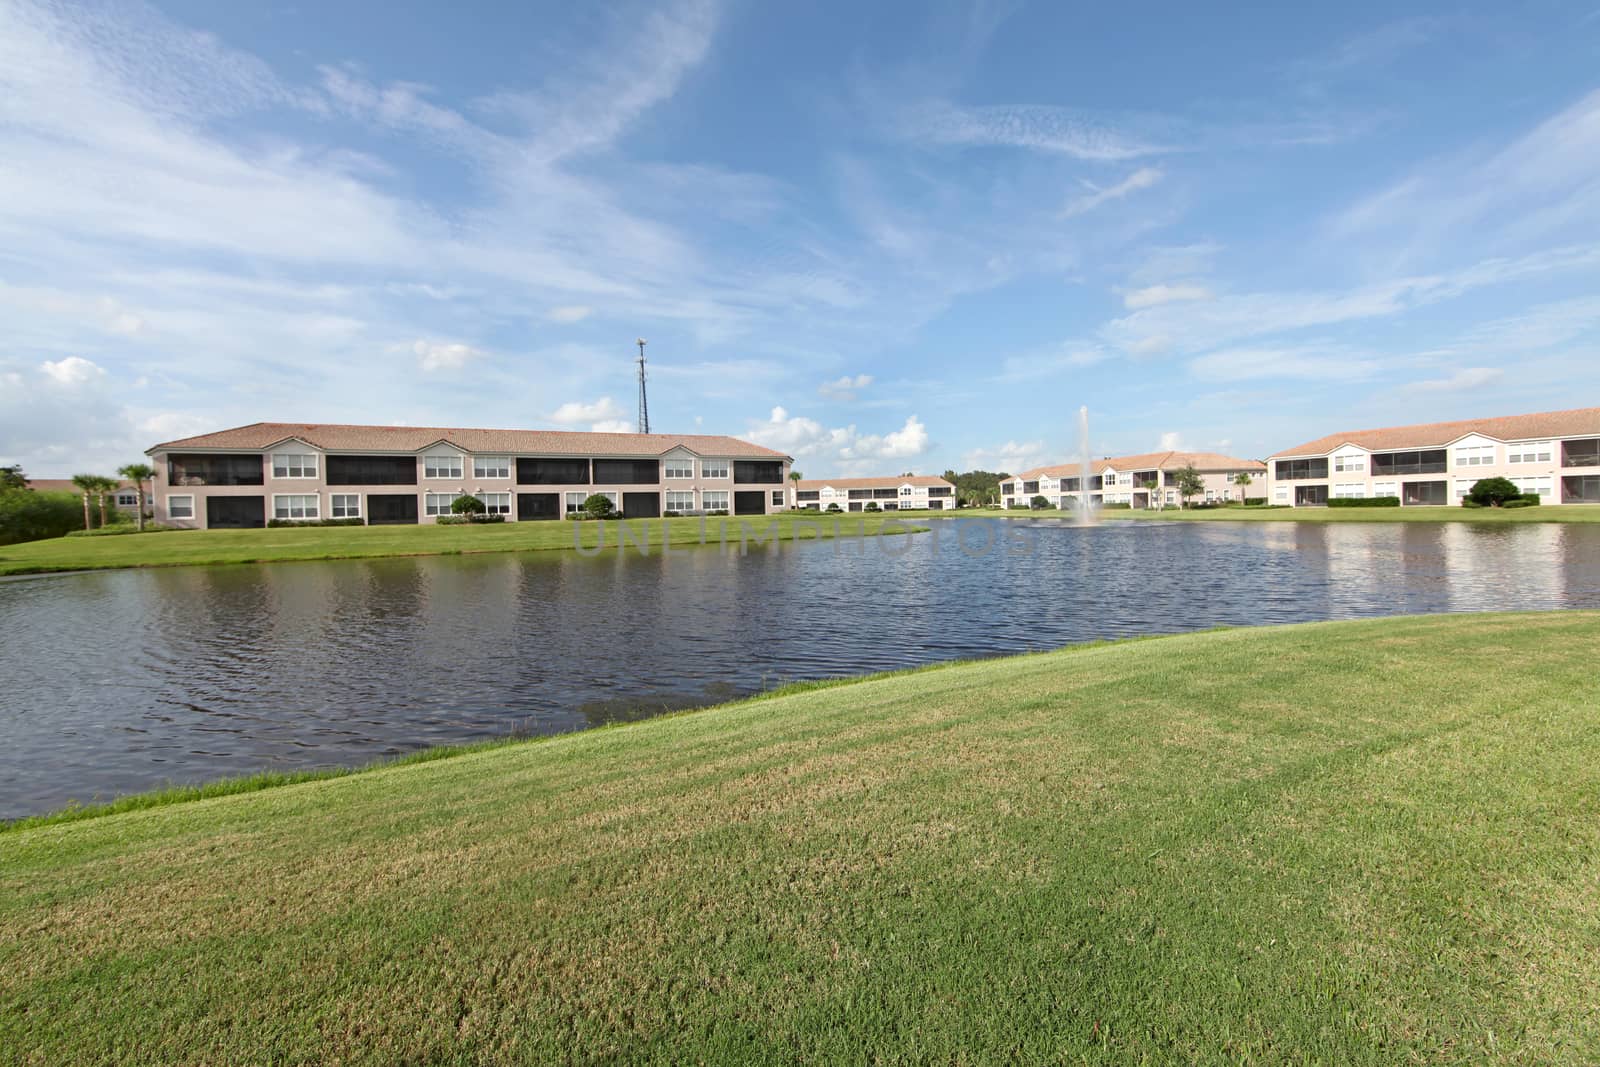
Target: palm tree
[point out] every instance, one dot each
(138, 474)
(795, 476)
(1242, 480)
(102, 486)
(86, 484)
(1151, 499)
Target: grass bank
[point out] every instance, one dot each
(1550, 513)
(176, 548)
(1368, 842)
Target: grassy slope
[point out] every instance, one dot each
(1281, 845)
(180, 547)
(1552, 513)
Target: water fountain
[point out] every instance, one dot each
(1085, 507)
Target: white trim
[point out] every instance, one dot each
(316, 498)
(457, 472)
(180, 496)
(297, 460)
(361, 506)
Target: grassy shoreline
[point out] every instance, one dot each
(1550, 513)
(1306, 843)
(181, 548)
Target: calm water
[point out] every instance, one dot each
(125, 681)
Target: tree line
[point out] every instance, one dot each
(27, 514)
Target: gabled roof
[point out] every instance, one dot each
(1165, 461)
(807, 484)
(342, 438)
(1578, 422)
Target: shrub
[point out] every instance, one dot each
(1040, 503)
(468, 520)
(1468, 502)
(466, 505)
(834, 508)
(871, 505)
(27, 515)
(722, 511)
(1116, 507)
(599, 506)
(281, 523)
(1520, 502)
(122, 528)
(1533, 498)
(1365, 502)
(1494, 491)
(1255, 501)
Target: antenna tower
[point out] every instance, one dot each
(644, 401)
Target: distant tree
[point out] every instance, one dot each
(12, 477)
(138, 474)
(104, 487)
(795, 477)
(86, 484)
(1243, 480)
(599, 506)
(1189, 482)
(1492, 492)
(834, 508)
(30, 516)
(1153, 497)
(871, 505)
(1039, 503)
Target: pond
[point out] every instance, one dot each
(130, 680)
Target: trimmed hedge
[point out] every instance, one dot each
(121, 528)
(1116, 507)
(469, 519)
(1521, 502)
(1254, 501)
(1365, 502)
(279, 524)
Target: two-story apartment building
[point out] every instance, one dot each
(907, 492)
(1124, 480)
(412, 474)
(1555, 454)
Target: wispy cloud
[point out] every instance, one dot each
(1064, 131)
(577, 412)
(845, 388)
(1143, 178)
(1467, 378)
(1156, 295)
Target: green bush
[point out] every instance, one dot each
(598, 506)
(26, 515)
(1520, 502)
(279, 524)
(122, 528)
(871, 505)
(468, 520)
(466, 505)
(1116, 507)
(834, 508)
(1365, 502)
(1533, 498)
(1255, 501)
(723, 511)
(1468, 502)
(1494, 491)
(1040, 503)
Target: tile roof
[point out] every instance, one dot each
(1574, 423)
(64, 485)
(870, 483)
(1166, 461)
(340, 438)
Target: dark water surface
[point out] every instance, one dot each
(128, 680)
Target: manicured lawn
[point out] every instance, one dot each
(180, 547)
(1372, 842)
(1552, 513)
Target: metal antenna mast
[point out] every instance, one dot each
(644, 402)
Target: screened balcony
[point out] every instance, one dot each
(1580, 453)
(757, 472)
(1420, 461)
(564, 470)
(627, 472)
(371, 470)
(1419, 494)
(240, 469)
(1581, 489)
(1293, 470)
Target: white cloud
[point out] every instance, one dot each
(569, 313)
(1011, 457)
(850, 449)
(1172, 441)
(1156, 295)
(1065, 131)
(1049, 361)
(1312, 363)
(574, 412)
(845, 388)
(1143, 178)
(613, 426)
(438, 355)
(1462, 380)
(72, 371)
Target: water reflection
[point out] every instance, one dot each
(122, 681)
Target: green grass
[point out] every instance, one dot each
(187, 547)
(1549, 513)
(1371, 842)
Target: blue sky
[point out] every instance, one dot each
(882, 237)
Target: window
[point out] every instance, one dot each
(438, 503)
(1030, 488)
(491, 467)
(1008, 489)
(1578, 454)
(575, 503)
(1544, 485)
(1463, 487)
(714, 499)
(1288, 470)
(1349, 463)
(1474, 455)
(344, 506)
(1385, 488)
(495, 503)
(757, 472)
(295, 507)
(777, 498)
(713, 468)
(1415, 494)
(905, 490)
(214, 469)
(1421, 461)
(180, 507)
(127, 500)
(680, 468)
(808, 494)
(1529, 452)
(293, 465)
(1349, 491)
(680, 500)
(441, 467)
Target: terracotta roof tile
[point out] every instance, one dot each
(341, 438)
(1166, 461)
(869, 483)
(1577, 422)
